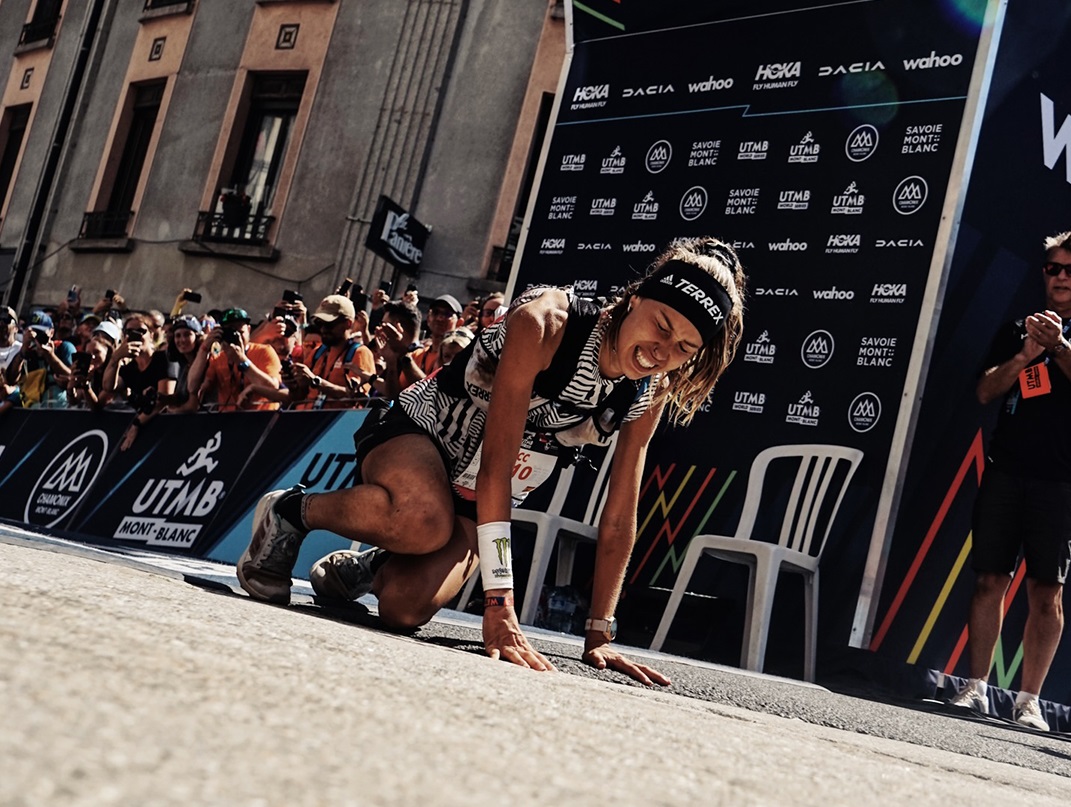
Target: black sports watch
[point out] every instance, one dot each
(607, 627)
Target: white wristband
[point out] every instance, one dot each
(496, 555)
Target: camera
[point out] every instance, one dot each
(230, 336)
(192, 296)
(147, 401)
(133, 336)
(41, 338)
(109, 294)
(72, 295)
(80, 363)
(291, 296)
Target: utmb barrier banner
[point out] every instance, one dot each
(825, 159)
(188, 485)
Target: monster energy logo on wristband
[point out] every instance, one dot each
(502, 547)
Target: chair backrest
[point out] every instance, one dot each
(817, 467)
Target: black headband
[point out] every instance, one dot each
(691, 291)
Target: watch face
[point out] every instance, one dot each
(613, 629)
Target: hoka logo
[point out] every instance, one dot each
(778, 71)
(594, 92)
(71, 474)
(844, 241)
(1055, 143)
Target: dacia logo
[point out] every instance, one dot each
(597, 246)
(778, 71)
(761, 292)
(854, 67)
(653, 89)
(900, 243)
(593, 92)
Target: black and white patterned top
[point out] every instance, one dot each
(451, 405)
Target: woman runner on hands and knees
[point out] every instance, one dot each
(437, 471)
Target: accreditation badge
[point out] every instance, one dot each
(1034, 381)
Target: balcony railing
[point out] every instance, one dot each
(233, 228)
(105, 224)
(154, 4)
(39, 31)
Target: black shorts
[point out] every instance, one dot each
(1013, 513)
(382, 425)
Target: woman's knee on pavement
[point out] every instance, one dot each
(406, 601)
(422, 521)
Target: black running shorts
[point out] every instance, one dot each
(1013, 513)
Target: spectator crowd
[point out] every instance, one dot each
(349, 352)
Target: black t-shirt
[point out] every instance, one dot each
(1033, 434)
(137, 380)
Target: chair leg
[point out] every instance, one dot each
(544, 544)
(566, 558)
(691, 558)
(760, 607)
(810, 614)
(467, 589)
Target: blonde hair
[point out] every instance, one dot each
(1058, 241)
(687, 387)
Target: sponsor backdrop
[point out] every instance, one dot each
(1020, 191)
(824, 159)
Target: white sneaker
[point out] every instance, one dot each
(1029, 714)
(266, 565)
(968, 698)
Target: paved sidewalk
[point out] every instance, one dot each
(122, 686)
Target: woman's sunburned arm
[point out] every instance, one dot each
(534, 331)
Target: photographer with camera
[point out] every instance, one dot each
(87, 368)
(282, 330)
(340, 369)
(41, 367)
(138, 372)
(228, 362)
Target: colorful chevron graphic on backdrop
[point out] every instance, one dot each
(1005, 669)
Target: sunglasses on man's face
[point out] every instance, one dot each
(1052, 269)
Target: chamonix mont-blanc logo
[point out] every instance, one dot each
(67, 479)
(910, 195)
(817, 349)
(693, 203)
(658, 156)
(864, 412)
(861, 143)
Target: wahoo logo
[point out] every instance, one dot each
(639, 246)
(66, 479)
(817, 349)
(658, 156)
(711, 84)
(861, 143)
(787, 246)
(864, 412)
(693, 203)
(910, 195)
(573, 162)
(854, 67)
(552, 246)
(399, 241)
(778, 71)
(1054, 143)
(833, 294)
(933, 60)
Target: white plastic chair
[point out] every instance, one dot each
(552, 529)
(795, 550)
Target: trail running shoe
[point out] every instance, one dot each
(266, 565)
(344, 575)
(968, 698)
(1029, 714)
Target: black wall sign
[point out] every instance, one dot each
(396, 236)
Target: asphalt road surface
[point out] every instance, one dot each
(121, 683)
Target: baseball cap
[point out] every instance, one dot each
(90, 318)
(109, 329)
(40, 321)
(334, 306)
(449, 301)
(234, 315)
(186, 321)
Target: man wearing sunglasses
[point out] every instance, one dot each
(1024, 503)
(40, 363)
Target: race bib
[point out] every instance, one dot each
(1034, 381)
(535, 463)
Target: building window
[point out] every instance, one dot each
(42, 25)
(243, 211)
(13, 128)
(112, 222)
